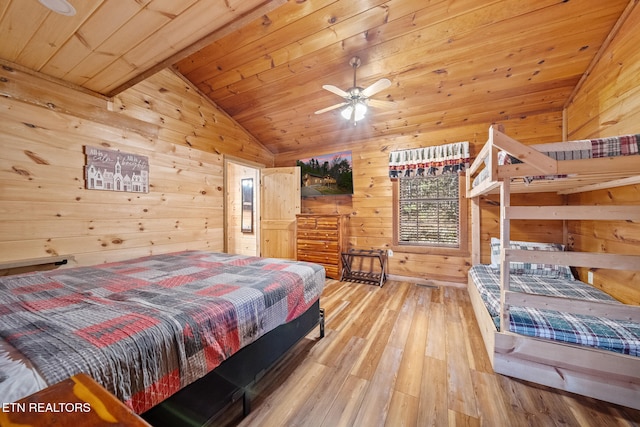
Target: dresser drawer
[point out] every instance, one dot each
(317, 246)
(327, 223)
(318, 223)
(319, 257)
(306, 223)
(318, 234)
(332, 271)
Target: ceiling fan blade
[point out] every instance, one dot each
(381, 84)
(333, 107)
(376, 103)
(336, 90)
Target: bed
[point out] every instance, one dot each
(565, 167)
(149, 327)
(526, 290)
(617, 335)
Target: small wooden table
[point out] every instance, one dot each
(76, 401)
(353, 266)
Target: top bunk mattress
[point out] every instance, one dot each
(145, 328)
(625, 145)
(614, 335)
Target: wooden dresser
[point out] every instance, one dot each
(321, 239)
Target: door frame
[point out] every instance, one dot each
(257, 196)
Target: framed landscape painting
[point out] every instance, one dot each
(326, 175)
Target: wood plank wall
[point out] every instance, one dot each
(370, 207)
(608, 104)
(45, 209)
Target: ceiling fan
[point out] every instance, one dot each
(356, 99)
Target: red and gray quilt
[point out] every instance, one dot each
(146, 328)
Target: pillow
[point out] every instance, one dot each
(527, 268)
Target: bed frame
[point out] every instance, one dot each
(600, 374)
(202, 402)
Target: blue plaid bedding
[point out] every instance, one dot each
(615, 335)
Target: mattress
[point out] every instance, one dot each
(614, 335)
(145, 328)
(625, 145)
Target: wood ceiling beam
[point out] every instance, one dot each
(243, 20)
(31, 87)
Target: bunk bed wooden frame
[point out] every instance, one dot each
(592, 372)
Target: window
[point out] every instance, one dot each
(430, 213)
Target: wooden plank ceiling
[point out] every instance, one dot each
(264, 62)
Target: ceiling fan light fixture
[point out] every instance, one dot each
(63, 7)
(360, 111)
(356, 99)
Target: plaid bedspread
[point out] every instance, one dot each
(614, 335)
(148, 327)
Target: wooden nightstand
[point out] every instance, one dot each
(74, 402)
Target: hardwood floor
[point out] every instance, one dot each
(406, 355)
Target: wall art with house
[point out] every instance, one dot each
(116, 171)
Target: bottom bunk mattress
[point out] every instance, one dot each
(614, 335)
(148, 327)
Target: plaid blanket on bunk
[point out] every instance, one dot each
(148, 327)
(614, 335)
(625, 145)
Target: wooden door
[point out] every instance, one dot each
(279, 204)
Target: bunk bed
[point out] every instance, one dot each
(150, 328)
(528, 289)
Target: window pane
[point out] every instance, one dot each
(429, 211)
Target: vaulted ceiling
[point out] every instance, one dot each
(264, 62)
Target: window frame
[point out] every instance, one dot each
(463, 203)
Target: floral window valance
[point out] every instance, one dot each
(429, 161)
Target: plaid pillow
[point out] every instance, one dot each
(527, 268)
